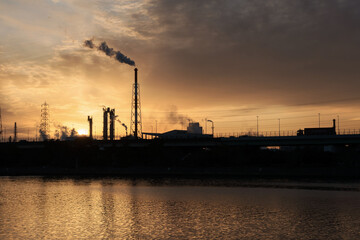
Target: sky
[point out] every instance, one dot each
(231, 61)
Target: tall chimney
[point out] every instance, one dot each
(136, 126)
(112, 125)
(136, 105)
(15, 133)
(105, 124)
(334, 124)
(90, 119)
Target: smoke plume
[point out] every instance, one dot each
(109, 52)
(176, 118)
(63, 132)
(89, 43)
(123, 124)
(43, 135)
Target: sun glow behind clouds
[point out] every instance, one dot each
(82, 132)
(242, 78)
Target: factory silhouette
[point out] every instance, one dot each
(312, 152)
(194, 130)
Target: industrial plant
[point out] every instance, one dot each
(318, 151)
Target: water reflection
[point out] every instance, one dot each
(37, 208)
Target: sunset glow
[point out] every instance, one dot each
(223, 63)
(82, 132)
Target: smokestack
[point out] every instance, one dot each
(334, 124)
(135, 127)
(105, 123)
(112, 125)
(15, 133)
(90, 119)
(136, 106)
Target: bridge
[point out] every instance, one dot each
(324, 140)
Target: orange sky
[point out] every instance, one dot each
(228, 61)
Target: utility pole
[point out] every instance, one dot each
(36, 132)
(279, 127)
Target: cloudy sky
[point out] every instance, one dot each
(225, 60)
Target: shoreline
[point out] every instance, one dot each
(248, 172)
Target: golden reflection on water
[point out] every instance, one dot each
(36, 208)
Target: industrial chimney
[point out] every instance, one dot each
(136, 103)
(136, 126)
(112, 124)
(105, 123)
(90, 119)
(15, 133)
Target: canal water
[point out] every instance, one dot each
(68, 208)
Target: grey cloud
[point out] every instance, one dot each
(293, 48)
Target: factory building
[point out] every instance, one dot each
(318, 131)
(194, 130)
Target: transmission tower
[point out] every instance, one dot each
(1, 129)
(136, 125)
(44, 123)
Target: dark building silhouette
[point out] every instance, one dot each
(318, 131)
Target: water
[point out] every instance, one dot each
(37, 208)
